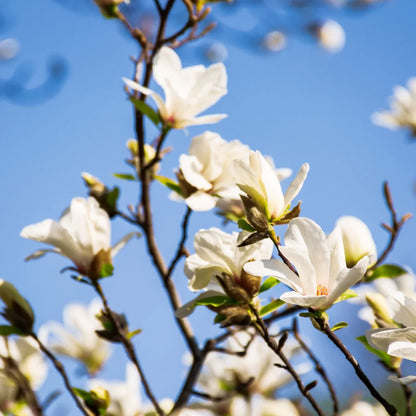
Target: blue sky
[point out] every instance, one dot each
(301, 105)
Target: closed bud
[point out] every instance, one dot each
(250, 283)
(234, 314)
(378, 304)
(98, 400)
(110, 332)
(101, 265)
(256, 218)
(233, 289)
(109, 8)
(17, 310)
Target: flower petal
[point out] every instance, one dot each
(403, 349)
(296, 185)
(201, 201)
(295, 298)
(121, 243)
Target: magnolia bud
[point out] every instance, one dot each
(357, 239)
(110, 332)
(330, 35)
(250, 283)
(109, 8)
(256, 218)
(233, 289)
(378, 304)
(98, 400)
(17, 312)
(101, 265)
(234, 314)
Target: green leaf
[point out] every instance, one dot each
(219, 318)
(348, 294)
(85, 395)
(214, 301)
(107, 270)
(339, 325)
(6, 330)
(308, 315)
(271, 307)
(244, 225)
(132, 334)
(125, 176)
(268, 284)
(172, 185)
(384, 357)
(112, 197)
(386, 271)
(146, 110)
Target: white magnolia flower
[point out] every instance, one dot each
(124, 395)
(29, 359)
(365, 409)
(357, 239)
(320, 262)
(260, 406)
(259, 181)
(331, 36)
(218, 253)
(188, 91)
(77, 339)
(82, 234)
(207, 171)
(403, 109)
(398, 342)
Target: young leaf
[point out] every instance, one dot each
(384, 357)
(85, 395)
(132, 334)
(6, 330)
(339, 325)
(271, 307)
(112, 197)
(172, 185)
(213, 301)
(219, 318)
(244, 225)
(146, 110)
(386, 270)
(125, 176)
(106, 270)
(268, 284)
(348, 294)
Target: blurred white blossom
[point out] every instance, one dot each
(275, 41)
(402, 109)
(365, 409)
(77, 338)
(319, 260)
(330, 35)
(188, 91)
(9, 48)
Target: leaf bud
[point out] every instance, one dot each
(378, 304)
(256, 218)
(110, 332)
(17, 311)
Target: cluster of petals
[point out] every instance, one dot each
(77, 338)
(83, 231)
(322, 275)
(259, 181)
(188, 91)
(403, 109)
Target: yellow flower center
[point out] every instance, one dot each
(321, 290)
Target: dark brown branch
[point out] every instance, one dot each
(129, 348)
(391, 410)
(318, 367)
(61, 370)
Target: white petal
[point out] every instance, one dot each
(120, 244)
(382, 338)
(201, 201)
(403, 349)
(191, 169)
(275, 268)
(296, 185)
(40, 253)
(295, 298)
(403, 308)
(195, 121)
(337, 253)
(403, 380)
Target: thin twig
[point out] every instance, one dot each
(277, 348)
(391, 410)
(61, 370)
(318, 366)
(129, 348)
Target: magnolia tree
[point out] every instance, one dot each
(235, 275)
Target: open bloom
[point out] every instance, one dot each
(357, 239)
(259, 181)
(82, 235)
(403, 109)
(207, 171)
(188, 91)
(77, 339)
(320, 263)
